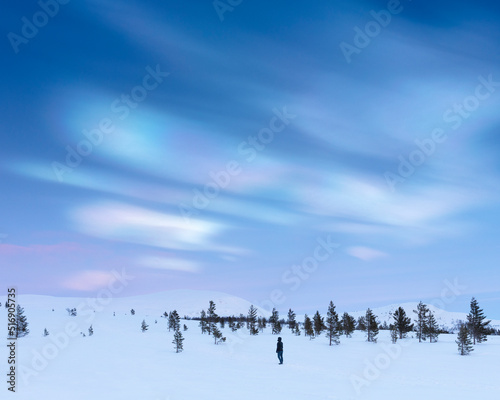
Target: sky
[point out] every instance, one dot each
(287, 153)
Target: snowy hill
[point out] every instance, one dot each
(119, 361)
(445, 319)
(186, 302)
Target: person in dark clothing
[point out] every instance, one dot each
(279, 350)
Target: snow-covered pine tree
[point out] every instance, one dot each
(178, 339)
(91, 330)
(394, 333)
(274, 319)
(174, 321)
(21, 322)
(132, 311)
(476, 323)
(308, 327)
(165, 315)
(421, 321)
(217, 334)
(402, 323)
(252, 320)
(203, 322)
(318, 324)
(348, 324)
(371, 326)
(45, 332)
(144, 326)
(432, 330)
(332, 324)
(464, 341)
(260, 324)
(212, 317)
(361, 324)
(185, 328)
(291, 320)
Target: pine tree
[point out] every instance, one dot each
(144, 326)
(260, 324)
(275, 322)
(371, 326)
(252, 320)
(91, 330)
(394, 333)
(21, 323)
(361, 324)
(464, 341)
(318, 323)
(432, 330)
(217, 334)
(308, 327)
(212, 317)
(132, 311)
(348, 324)
(402, 323)
(291, 320)
(45, 332)
(476, 323)
(203, 322)
(185, 328)
(332, 325)
(421, 321)
(174, 321)
(178, 339)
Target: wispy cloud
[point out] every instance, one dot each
(365, 253)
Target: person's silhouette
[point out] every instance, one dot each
(279, 350)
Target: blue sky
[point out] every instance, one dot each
(287, 154)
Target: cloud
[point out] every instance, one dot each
(89, 280)
(173, 264)
(365, 253)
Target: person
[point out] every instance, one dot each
(279, 350)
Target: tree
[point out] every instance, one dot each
(332, 325)
(71, 312)
(432, 330)
(476, 323)
(45, 332)
(185, 327)
(274, 320)
(421, 321)
(361, 324)
(21, 323)
(178, 339)
(402, 323)
(308, 327)
(132, 311)
(319, 323)
(371, 326)
(144, 326)
(212, 317)
(203, 322)
(464, 341)
(252, 320)
(91, 330)
(291, 320)
(174, 321)
(217, 335)
(394, 333)
(348, 324)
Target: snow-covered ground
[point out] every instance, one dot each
(121, 362)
